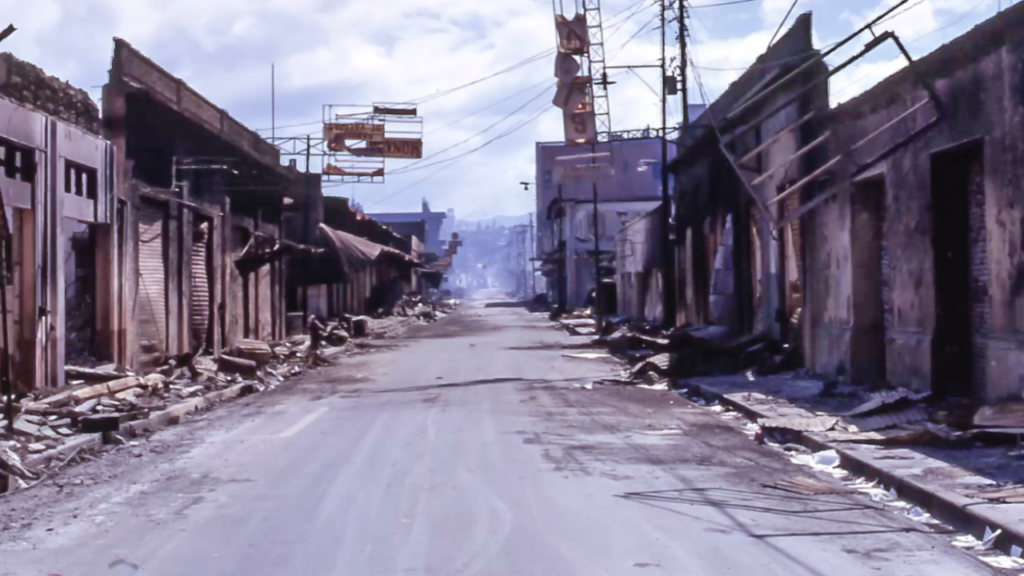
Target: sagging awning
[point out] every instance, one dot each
(262, 250)
(355, 253)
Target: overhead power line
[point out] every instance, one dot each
(717, 4)
(488, 107)
(640, 31)
(515, 66)
(451, 161)
(416, 165)
(783, 23)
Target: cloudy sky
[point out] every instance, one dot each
(361, 51)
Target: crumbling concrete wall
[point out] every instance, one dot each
(27, 84)
(979, 79)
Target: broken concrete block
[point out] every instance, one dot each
(360, 327)
(102, 374)
(109, 402)
(100, 423)
(122, 384)
(57, 400)
(155, 381)
(24, 428)
(129, 394)
(34, 418)
(87, 406)
(90, 392)
(64, 431)
(59, 422)
(253, 350)
(193, 390)
(35, 408)
(11, 465)
(233, 365)
(36, 448)
(47, 432)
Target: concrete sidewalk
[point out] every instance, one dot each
(939, 487)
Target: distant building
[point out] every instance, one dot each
(628, 179)
(433, 221)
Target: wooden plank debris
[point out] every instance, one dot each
(1004, 415)
(801, 424)
(808, 487)
(1008, 494)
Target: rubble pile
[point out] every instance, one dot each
(901, 417)
(424, 308)
(43, 422)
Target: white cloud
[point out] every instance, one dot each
(360, 51)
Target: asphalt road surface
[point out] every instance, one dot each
(467, 448)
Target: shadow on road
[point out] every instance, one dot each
(485, 382)
(506, 304)
(467, 383)
(776, 504)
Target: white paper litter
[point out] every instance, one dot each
(1015, 551)
(665, 432)
(588, 355)
(1002, 561)
(918, 515)
(966, 541)
(989, 539)
(824, 461)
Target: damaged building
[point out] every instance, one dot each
(880, 237)
(627, 175)
(917, 257)
(735, 174)
(199, 197)
(362, 267)
(58, 197)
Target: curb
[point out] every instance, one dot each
(169, 417)
(949, 507)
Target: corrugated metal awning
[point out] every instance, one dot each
(355, 253)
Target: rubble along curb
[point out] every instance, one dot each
(169, 417)
(948, 506)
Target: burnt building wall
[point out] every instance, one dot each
(961, 178)
(27, 84)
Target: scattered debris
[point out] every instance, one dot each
(588, 355)
(909, 415)
(1008, 494)
(101, 399)
(801, 424)
(824, 461)
(808, 487)
(1005, 415)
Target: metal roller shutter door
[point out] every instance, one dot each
(152, 308)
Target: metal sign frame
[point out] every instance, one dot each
(364, 161)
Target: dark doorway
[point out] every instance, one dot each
(80, 294)
(867, 354)
(957, 175)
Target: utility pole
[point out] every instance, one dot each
(561, 291)
(273, 104)
(308, 144)
(668, 280)
(533, 275)
(683, 61)
(597, 261)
